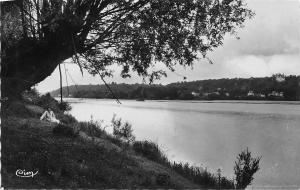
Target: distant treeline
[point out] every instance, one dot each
(277, 87)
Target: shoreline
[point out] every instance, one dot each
(195, 101)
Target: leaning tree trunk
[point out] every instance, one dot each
(30, 62)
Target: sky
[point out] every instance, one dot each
(269, 43)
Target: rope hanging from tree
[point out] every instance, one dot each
(60, 83)
(72, 80)
(78, 62)
(184, 77)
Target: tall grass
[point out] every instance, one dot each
(92, 128)
(199, 176)
(95, 129)
(152, 151)
(203, 177)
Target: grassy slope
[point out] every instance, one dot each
(65, 162)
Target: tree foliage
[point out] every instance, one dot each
(245, 167)
(133, 34)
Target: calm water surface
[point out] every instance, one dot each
(211, 134)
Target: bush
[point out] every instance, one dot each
(47, 101)
(115, 140)
(121, 130)
(66, 118)
(64, 106)
(245, 167)
(92, 128)
(31, 96)
(65, 130)
(151, 151)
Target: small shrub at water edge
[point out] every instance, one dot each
(122, 130)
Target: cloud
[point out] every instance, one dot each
(274, 30)
(262, 66)
(242, 66)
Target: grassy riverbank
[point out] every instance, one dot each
(83, 154)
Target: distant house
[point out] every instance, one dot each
(195, 94)
(211, 93)
(250, 93)
(276, 94)
(281, 94)
(261, 95)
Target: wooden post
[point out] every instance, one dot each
(219, 176)
(61, 100)
(67, 80)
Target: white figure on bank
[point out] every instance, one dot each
(49, 115)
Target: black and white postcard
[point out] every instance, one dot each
(150, 94)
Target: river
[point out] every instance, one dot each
(211, 134)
